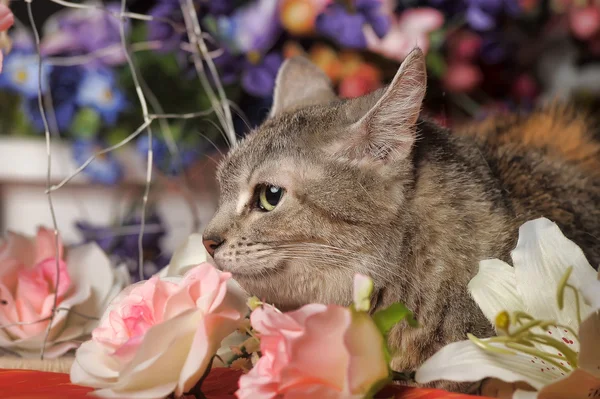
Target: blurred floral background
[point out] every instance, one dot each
(483, 56)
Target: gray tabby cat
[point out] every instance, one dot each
(326, 188)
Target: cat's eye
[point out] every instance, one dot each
(268, 197)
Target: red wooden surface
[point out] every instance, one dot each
(220, 384)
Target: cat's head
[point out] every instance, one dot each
(315, 193)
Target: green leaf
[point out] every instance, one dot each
(387, 318)
(116, 135)
(437, 39)
(86, 123)
(436, 64)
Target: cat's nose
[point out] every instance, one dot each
(211, 243)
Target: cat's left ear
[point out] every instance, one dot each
(300, 83)
(387, 131)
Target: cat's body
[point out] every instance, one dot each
(370, 188)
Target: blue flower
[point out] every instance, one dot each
(346, 26)
(258, 79)
(104, 169)
(162, 158)
(64, 82)
(97, 90)
(20, 74)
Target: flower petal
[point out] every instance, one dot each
(46, 245)
(577, 385)
(191, 253)
(363, 288)
(94, 361)
(541, 258)
(165, 343)
(368, 365)
(211, 331)
(494, 289)
(591, 294)
(589, 340)
(464, 362)
(89, 265)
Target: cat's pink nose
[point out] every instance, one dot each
(212, 243)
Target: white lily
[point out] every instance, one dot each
(537, 341)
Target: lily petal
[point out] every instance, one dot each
(464, 362)
(494, 289)
(591, 294)
(540, 259)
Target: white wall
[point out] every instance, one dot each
(24, 204)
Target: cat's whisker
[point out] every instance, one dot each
(372, 267)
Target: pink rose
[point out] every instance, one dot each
(408, 31)
(464, 46)
(317, 351)
(158, 336)
(6, 21)
(28, 287)
(365, 79)
(462, 77)
(584, 21)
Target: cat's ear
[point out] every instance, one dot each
(300, 83)
(388, 130)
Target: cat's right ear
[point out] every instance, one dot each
(300, 83)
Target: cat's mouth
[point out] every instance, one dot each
(252, 271)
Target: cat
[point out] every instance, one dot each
(328, 187)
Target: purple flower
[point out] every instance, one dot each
(101, 235)
(493, 48)
(258, 79)
(121, 243)
(220, 7)
(252, 27)
(346, 26)
(165, 32)
(82, 31)
(483, 15)
(229, 66)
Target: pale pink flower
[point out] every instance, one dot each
(584, 21)
(28, 287)
(411, 29)
(158, 336)
(317, 351)
(6, 21)
(462, 77)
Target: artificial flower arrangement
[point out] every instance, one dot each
(188, 324)
(473, 64)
